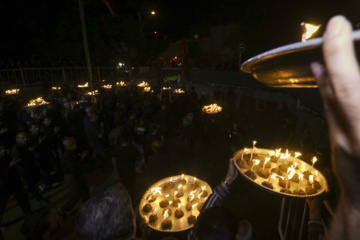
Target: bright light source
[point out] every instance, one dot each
(153, 13)
(155, 32)
(122, 64)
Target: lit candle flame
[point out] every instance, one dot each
(156, 190)
(301, 177)
(308, 30)
(278, 152)
(295, 165)
(203, 188)
(314, 160)
(254, 142)
(56, 88)
(194, 205)
(246, 150)
(166, 88)
(311, 179)
(256, 161)
(167, 195)
(166, 214)
(297, 154)
(182, 176)
(271, 153)
(316, 173)
(179, 186)
(180, 204)
(279, 176)
(266, 160)
(291, 172)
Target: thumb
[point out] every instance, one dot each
(339, 55)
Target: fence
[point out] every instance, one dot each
(36, 76)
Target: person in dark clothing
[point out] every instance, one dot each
(37, 145)
(73, 175)
(124, 160)
(26, 167)
(10, 183)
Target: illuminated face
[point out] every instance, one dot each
(22, 138)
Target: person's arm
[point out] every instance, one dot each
(339, 85)
(316, 229)
(220, 192)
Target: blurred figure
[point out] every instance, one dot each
(73, 175)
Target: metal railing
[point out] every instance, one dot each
(36, 76)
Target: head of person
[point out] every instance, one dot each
(21, 138)
(108, 216)
(70, 143)
(3, 150)
(216, 223)
(34, 129)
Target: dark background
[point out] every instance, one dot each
(52, 29)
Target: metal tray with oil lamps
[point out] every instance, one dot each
(289, 66)
(178, 224)
(261, 154)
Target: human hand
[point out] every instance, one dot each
(232, 172)
(339, 85)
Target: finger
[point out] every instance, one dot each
(339, 56)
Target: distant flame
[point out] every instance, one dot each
(194, 205)
(107, 86)
(84, 86)
(314, 160)
(297, 154)
(179, 91)
(308, 30)
(12, 91)
(316, 173)
(266, 160)
(246, 150)
(56, 88)
(143, 84)
(121, 84)
(271, 153)
(254, 142)
(212, 109)
(37, 102)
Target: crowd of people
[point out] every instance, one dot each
(122, 128)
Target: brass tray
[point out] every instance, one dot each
(289, 66)
(302, 166)
(180, 224)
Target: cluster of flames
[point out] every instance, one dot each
(290, 171)
(191, 198)
(56, 88)
(84, 86)
(92, 93)
(179, 91)
(107, 86)
(143, 84)
(12, 91)
(166, 88)
(121, 84)
(148, 89)
(212, 109)
(37, 102)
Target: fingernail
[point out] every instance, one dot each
(335, 26)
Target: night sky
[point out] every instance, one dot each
(52, 28)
